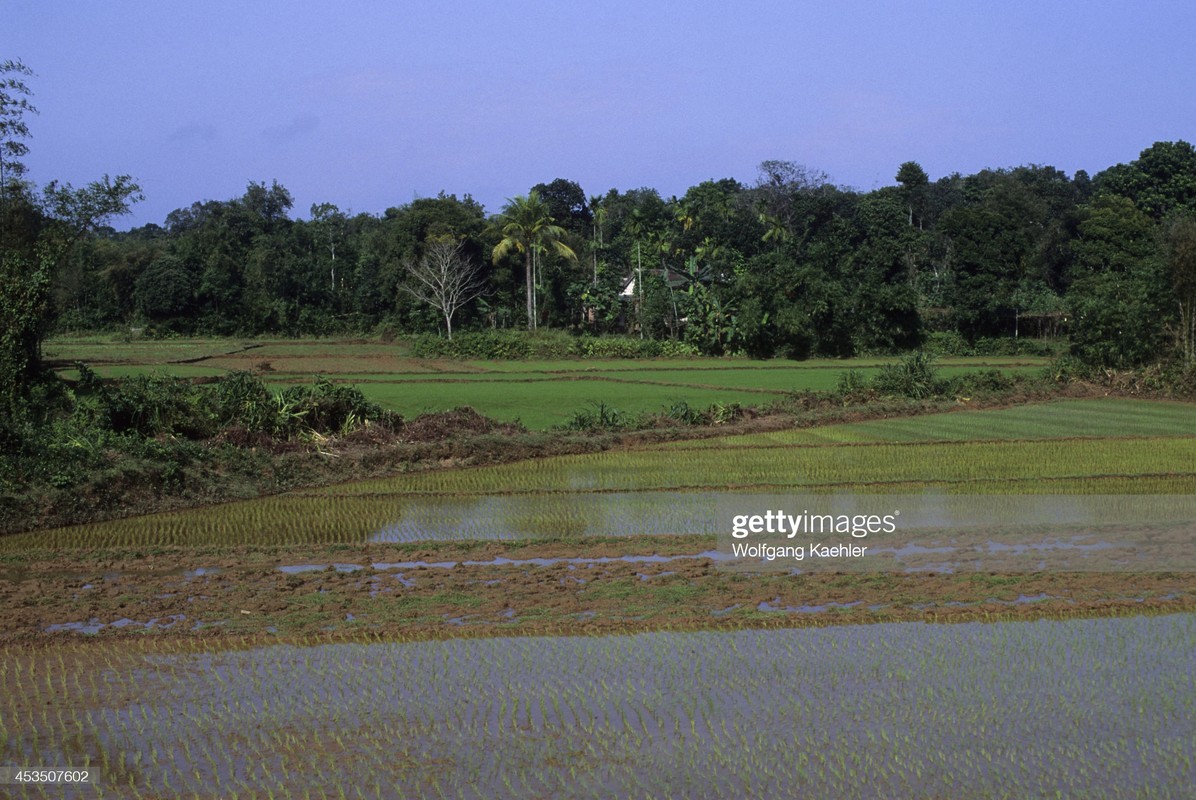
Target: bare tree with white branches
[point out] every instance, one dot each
(444, 278)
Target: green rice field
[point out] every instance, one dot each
(539, 394)
(1107, 418)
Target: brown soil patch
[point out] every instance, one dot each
(462, 421)
(220, 593)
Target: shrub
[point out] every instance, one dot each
(1006, 346)
(852, 387)
(681, 411)
(672, 348)
(947, 343)
(153, 405)
(598, 416)
(1118, 320)
(951, 343)
(722, 413)
(915, 376)
(1067, 368)
(615, 347)
(512, 344)
(240, 399)
(328, 407)
(488, 346)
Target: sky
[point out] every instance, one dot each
(370, 105)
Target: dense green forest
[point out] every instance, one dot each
(788, 265)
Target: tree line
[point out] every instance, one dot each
(789, 264)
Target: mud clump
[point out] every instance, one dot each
(463, 421)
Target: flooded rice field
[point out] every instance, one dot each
(533, 515)
(1099, 708)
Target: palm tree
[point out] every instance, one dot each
(527, 227)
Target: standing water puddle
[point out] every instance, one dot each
(502, 562)
(508, 517)
(94, 626)
(298, 568)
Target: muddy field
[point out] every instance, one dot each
(450, 589)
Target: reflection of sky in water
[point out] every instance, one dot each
(524, 516)
(1106, 531)
(1079, 511)
(1084, 708)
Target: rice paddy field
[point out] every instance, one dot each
(565, 627)
(1089, 708)
(539, 394)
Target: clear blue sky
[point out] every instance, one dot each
(369, 105)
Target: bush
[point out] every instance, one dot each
(1067, 368)
(1181, 379)
(947, 343)
(681, 411)
(1006, 346)
(328, 407)
(722, 413)
(615, 347)
(488, 346)
(1170, 378)
(514, 345)
(153, 405)
(156, 405)
(598, 416)
(672, 348)
(240, 399)
(852, 387)
(16, 438)
(915, 377)
(951, 343)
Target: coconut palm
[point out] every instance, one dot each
(527, 227)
